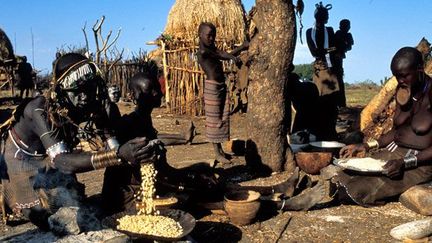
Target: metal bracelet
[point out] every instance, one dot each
(113, 143)
(101, 160)
(283, 205)
(372, 144)
(56, 149)
(392, 146)
(410, 161)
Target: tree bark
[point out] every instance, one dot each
(269, 110)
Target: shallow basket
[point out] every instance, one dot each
(186, 221)
(313, 162)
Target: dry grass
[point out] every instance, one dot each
(227, 15)
(360, 95)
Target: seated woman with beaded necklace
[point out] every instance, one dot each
(40, 137)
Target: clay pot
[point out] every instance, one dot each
(313, 162)
(242, 206)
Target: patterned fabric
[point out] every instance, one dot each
(369, 190)
(324, 79)
(216, 106)
(17, 173)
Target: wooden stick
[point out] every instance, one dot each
(283, 229)
(165, 71)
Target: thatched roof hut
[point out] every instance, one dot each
(227, 15)
(6, 50)
(179, 44)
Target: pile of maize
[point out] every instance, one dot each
(148, 221)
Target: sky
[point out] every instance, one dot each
(379, 28)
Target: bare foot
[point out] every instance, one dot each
(221, 159)
(191, 133)
(307, 199)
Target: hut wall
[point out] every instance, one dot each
(185, 78)
(121, 73)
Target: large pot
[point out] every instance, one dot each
(242, 206)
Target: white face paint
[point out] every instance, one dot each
(114, 93)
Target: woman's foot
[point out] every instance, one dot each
(190, 133)
(222, 159)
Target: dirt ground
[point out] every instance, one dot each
(334, 224)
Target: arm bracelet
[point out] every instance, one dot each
(373, 144)
(101, 160)
(113, 143)
(410, 161)
(56, 149)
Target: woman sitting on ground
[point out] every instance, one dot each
(39, 140)
(407, 146)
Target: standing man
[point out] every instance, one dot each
(216, 100)
(24, 77)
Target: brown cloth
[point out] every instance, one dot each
(326, 82)
(28, 181)
(216, 106)
(367, 190)
(17, 174)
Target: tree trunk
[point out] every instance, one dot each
(269, 113)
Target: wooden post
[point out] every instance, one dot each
(165, 71)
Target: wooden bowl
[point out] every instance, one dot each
(165, 202)
(313, 162)
(242, 206)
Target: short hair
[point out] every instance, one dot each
(410, 55)
(206, 24)
(344, 22)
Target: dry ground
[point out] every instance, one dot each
(333, 224)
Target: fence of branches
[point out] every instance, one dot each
(184, 77)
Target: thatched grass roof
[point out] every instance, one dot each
(6, 50)
(227, 15)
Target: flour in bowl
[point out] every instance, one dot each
(363, 164)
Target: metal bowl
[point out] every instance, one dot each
(326, 146)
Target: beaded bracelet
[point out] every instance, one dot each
(56, 149)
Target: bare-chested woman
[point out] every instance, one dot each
(38, 150)
(216, 100)
(407, 146)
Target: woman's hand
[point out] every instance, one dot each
(353, 150)
(393, 168)
(139, 150)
